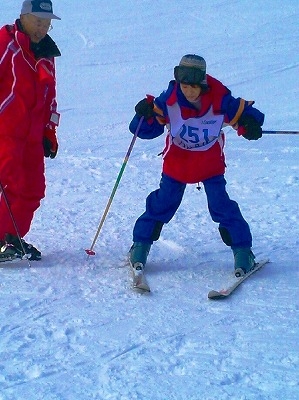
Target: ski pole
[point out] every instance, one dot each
(90, 251)
(281, 132)
(13, 221)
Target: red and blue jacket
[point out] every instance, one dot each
(189, 155)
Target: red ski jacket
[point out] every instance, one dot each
(27, 87)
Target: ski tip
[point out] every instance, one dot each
(142, 289)
(90, 252)
(215, 295)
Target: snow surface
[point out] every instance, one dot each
(71, 327)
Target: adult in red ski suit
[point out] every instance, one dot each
(28, 121)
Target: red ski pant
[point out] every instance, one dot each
(23, 180)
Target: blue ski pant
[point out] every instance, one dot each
(162, 204)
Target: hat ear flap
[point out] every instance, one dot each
(176, 70)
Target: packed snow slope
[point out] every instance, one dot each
(71, 327)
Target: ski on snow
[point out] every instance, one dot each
(141, 286)
(139, 280)
(5, 260)
(224, 293)
(11, 260)
(13, 263)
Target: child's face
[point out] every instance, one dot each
(191, 92)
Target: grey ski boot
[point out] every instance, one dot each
(138, 254)
(244, 261)
(137, 257)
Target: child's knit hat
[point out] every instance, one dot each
(191, 70)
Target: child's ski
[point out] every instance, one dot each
(223, 293)
(139, 281)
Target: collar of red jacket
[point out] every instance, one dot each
(46, 48)
(187, 109)
(212, 97)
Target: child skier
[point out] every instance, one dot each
(194, 108)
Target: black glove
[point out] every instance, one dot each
(145, 108)
(251, 128)
(50, 143)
